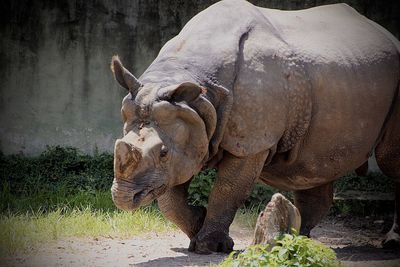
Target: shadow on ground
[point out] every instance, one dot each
(356, 241)
(366, 253)
(188, 259)
(348, 254)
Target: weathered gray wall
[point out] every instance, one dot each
(55, 84)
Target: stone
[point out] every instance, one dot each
(279, 216)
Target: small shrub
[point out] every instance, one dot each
(290, 250)
(200, 187)
(260, 196)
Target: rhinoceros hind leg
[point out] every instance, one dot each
(362, 170)
(387, 154)
(392, 238)
(313, 205)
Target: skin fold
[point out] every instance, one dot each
(294, 99)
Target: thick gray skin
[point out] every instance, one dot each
(293, 98)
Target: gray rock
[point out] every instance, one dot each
(279, 216)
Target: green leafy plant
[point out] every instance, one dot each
(200, 187)
(289, 250)
(260, 196)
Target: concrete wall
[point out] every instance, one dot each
(55, 84)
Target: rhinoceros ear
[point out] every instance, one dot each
(124, 77)
(186, 91)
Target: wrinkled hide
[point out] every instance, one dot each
(295, 99)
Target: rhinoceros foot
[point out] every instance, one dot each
(211, 242)
(392, 240)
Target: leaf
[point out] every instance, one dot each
(282, 252)
(310, 259)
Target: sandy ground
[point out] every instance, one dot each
(356, 241)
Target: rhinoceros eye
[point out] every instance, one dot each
(163, 152)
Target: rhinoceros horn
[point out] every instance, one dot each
(124, 77)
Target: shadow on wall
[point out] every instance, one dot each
(55, 84)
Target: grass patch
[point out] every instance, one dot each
(25, 231)
(247, 217)
(58, 199)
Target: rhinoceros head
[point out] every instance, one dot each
(165, 140)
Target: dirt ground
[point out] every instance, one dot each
(355, 240)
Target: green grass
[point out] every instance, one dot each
(22, 232)
(29, 219)
(27, 224)
(55, 200)
(247, 217)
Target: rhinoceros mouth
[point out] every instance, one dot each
(130, 196)
(146, 196)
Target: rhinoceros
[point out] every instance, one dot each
(294, 99)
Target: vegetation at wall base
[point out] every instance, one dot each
(48, 180)
(289, 250)
(63, 173)
(373, 182)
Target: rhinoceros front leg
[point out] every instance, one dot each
(236, 177)
(173, 204)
